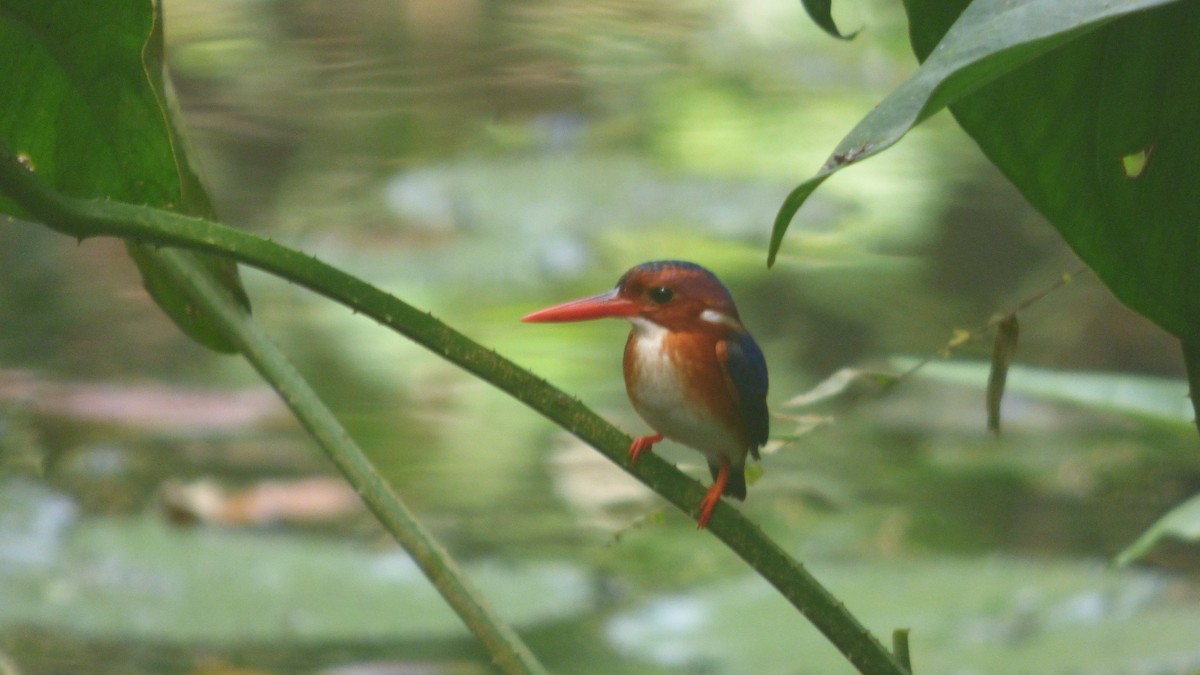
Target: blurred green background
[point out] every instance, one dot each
(483, 159)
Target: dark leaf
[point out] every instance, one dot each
(821, 12)
(1005, 345)
(1101, 136)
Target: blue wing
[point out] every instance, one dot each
(746, 370)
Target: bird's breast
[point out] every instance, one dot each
(671, 383)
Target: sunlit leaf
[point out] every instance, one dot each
(959, 337)
(754, 472)
(1181, 522)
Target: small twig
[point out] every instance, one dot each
(962, 336)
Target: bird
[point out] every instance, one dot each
(692, 370)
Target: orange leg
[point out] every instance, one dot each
(712, 496)
(641, 445)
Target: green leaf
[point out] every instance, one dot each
(87, 106)
(1102, 137)
(193, 198)
(989, 39)
(1181, 522)
(821, 12)
(176, 303)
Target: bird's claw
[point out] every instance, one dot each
(706, 508)
(641, 445)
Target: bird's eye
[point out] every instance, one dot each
(660, 294)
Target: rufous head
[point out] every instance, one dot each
(674, 294)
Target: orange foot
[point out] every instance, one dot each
(641, 445)
(712, 497)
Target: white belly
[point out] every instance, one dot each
(659, 395)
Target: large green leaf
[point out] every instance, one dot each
(1066, 96)
(1102, 136)
(86, 103)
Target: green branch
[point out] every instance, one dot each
(208, 295)
(84, 218)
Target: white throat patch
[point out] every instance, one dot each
(647, 329)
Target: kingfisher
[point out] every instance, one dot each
(692, 370)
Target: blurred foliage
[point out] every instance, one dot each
(1182, 522)
(483, 159)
